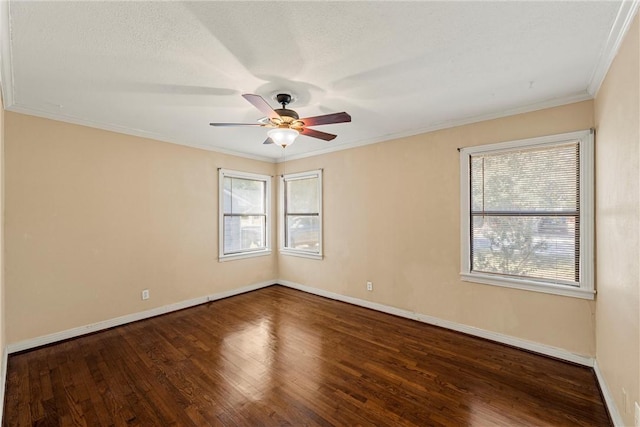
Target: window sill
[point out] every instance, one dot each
(529, 285)
(302, 254)
(244, 255)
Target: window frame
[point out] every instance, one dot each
(585, 288)
(282, 214)
(222, 173)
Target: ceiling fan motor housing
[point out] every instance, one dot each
(285, 112)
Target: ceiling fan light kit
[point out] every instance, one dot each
(286, 124)
(283, 136)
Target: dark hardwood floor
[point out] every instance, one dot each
(277, 356)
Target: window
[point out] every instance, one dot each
(301, 214)
(527, 214)
(244, 214)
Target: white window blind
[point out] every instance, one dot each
(527, 214)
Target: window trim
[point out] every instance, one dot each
(283, 213)
(586, 288)
(222, 173)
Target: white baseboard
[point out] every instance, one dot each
(3, 379)
(493, 336)
(608, 397)
(106, 324)
(546, 350)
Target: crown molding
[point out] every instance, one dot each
(626, 13)
(555, 102)
(17, 108)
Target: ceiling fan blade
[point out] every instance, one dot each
(261, 105)
(327, 119)
(236, 124)
(268, 141)
(317, 134)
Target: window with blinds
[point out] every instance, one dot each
(301, 208)
(244, 216)
(524, 213)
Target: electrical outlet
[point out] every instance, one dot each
(369, 286)
(637, 415)
(145, 294)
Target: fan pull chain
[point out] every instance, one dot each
(284, 161)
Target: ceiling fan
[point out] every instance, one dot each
(285, 124)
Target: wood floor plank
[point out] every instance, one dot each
(280, 357)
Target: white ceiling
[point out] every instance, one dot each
(164, 70)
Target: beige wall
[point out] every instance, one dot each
(93, 217)
(617, 111)
(391, 215)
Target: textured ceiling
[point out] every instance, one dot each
(166, 69)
